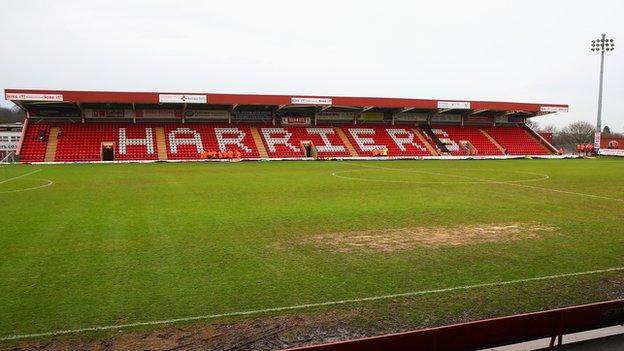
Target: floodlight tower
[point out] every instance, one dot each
(601, 45)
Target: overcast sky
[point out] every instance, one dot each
(526, 51)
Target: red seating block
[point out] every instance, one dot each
(187, 141)
(33, 149)
(451, 136)
(399, 140)
(284, 141)
(517, 141)
(83, 141)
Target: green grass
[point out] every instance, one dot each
(111, 244)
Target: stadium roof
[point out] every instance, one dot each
(29, 98)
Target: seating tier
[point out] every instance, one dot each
(33, 149)
(83, 141)
(517, 141)
(285, 142)
(189, 140)
(451, 136)
(399, 140)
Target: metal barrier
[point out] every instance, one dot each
(491, 332)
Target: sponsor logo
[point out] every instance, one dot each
(310, 101)
(553, 109)
(34, 97)
(182, 99)
(464, 105)
(611, 152)
(302, 121)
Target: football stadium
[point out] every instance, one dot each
(179, 221)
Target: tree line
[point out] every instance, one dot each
(11, 114)
(579, 132)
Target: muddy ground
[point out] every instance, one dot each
(263, 333)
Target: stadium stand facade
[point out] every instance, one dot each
(69, 126)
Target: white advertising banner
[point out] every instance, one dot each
(9, 140)
(182, 99)
(553, 109)
(597, 140)
(454, 104)
(310, 101)
(34, 97)
(207, 114)
(611, 152)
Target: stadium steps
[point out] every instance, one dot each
(50, 153)
(424, 141)
(346, 142)
(259, 144)
(439, 144)
(498, 146)
(161, 144)
(540, 139)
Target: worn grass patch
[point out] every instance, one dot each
(390, 240)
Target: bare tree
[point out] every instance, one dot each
(532, 124)
(579, 132)
(549, 128)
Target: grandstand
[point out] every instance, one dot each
(84, 126)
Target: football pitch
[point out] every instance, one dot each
(127, 246)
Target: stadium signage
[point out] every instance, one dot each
(152, 113)
(597, 137)
(611, 152)
(34, 97)
(242, 115)
(465, 105)
(310, 101)
(182, 99)
(410, 117)
(335, 116)
(207, 114)
(553, 109)
(102, 113)
(299, 121)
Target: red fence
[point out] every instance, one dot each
(491, 332)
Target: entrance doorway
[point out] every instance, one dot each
(108, 152)
(308, 147)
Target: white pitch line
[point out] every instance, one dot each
(304, 306)
(20, 176)
(494, 182)
(48, 183)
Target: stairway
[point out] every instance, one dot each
(424, 141)
(259, 144)
(545, 144)
(346, 142)
(50, 153)
(490, 138)
(440, 144)
(161, 145)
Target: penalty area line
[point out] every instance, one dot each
(304, 306)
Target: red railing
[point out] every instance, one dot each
(491, 332)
